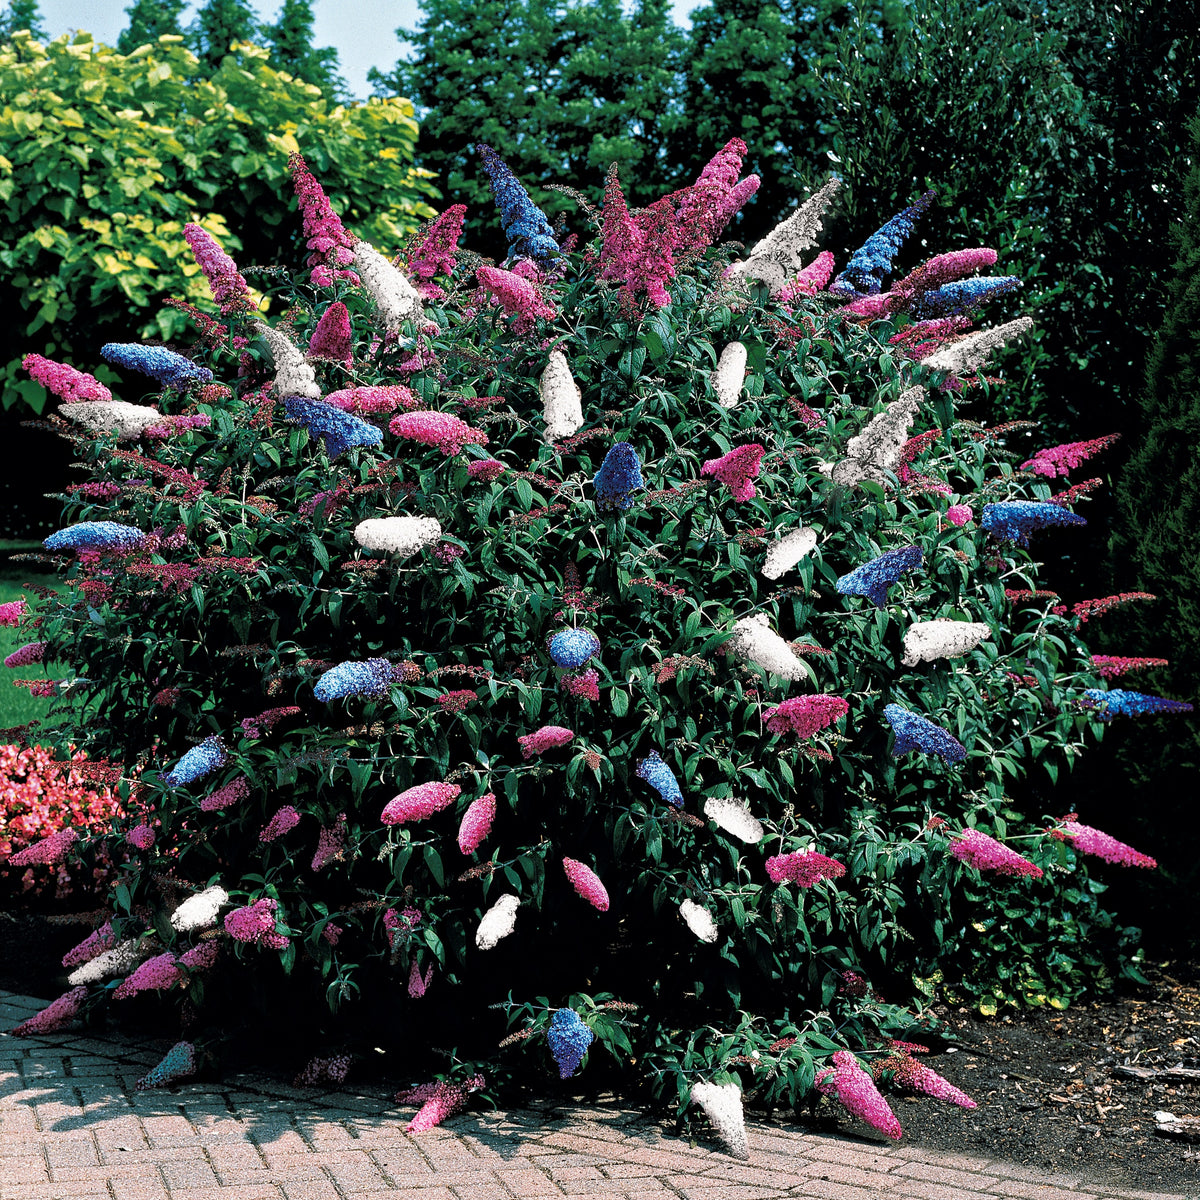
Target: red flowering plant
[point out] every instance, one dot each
(606, 620)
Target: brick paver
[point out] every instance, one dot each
(72, 1127)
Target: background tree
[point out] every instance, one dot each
(217, 26)
(148, 21)
(559, 91)
(292, 50)
(21, 14)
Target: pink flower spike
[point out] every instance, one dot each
(95, 943)
(366, 401)
(804, 867)
(1109, 666)
(331, 337)
(417, 803)
(587, 883)
(48, 850)
(960, 514)
(255, 925)
(547, 738)
(141, 837)
(285, 818)
(856, 1092)
(157, 974)
(519, 297)
(327, 238)
(986, 854)
(65, 382)
(202, 957)
(484, 470)
(418, 984)
(1059, 460)
(917, 1077)
(810, 280)
(944, 268)
(235, 790)
(330, 843)
(1092, 841)
(12, 612)
(805, 716)
(584, 686)
(434, 253)
(477, 823)
(62, 1012)
(737, 470)
(870, 308)
(448, 433)
(26, 656)
(438, 1101)
(225, 282)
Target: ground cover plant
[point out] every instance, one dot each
(624, 654)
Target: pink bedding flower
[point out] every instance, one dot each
(805, 716)
(12, 612)
(584, 686)
(547, 738)
(737, 470)
(416, 803)
(917, 1077)
(448, 433)
(477, 823)
(587, 883)
(418, 984)
(1060, 460)
(331, 245)
(986, 854)
(804, 867)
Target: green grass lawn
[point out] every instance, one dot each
(16, 704)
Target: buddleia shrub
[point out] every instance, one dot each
(625, 654)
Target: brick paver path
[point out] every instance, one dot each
(72, 1127)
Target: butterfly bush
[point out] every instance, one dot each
(657, 640)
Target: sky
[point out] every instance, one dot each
(362, 31)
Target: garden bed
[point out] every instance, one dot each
(1044, 1081)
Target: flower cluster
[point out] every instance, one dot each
(785, 553)
(339, 429)
(28, 655)
(476, 823)
(255, 925)
(1087, 840)
(805, 716)
(497, 923)
(915, 732)
(331, 842)
(417, 803)
(737, 470)
(1015, 520)
(106, 536)
(586, 883)
(331, 338)
(370, 401)
(157, 974)
(620, 475)
(986, 854)
(873, 260)
(285, 818)
(178, 1063)
(699, 920)
(262, 724)
(926, 641)
(200, 911)
(754, 641)
(959, 514)
(518, 297)
(168, 369)
(805, 867)
(917, 1077)
(524, 224)
(583, 686)
(1085, 609)
(46, 851)
(1060, 460)
(447, 433)
(438, 1101)
(660, 777)
(62, 1012)
(233, 792)
(569, 1040)
(225, 282)
(1109, 666)
(548, 737)
(733, 817)
(571, 648)
(330, 1072)
(63, 381)
(198, 762)
(856, 1092)
(401, 536)
(95, 943)
(331, 245)
(484, 470)
(1119, 703)
(434, 252)
(722, 1105)
(872, 579)
(370, 678)
(959, 298)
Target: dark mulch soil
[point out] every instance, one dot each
(1044, 1082)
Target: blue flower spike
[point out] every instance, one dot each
(198, 762)
(341, 430)
(1119, 703)
(915, 732)
(571, 648)
(873, 578)
(954, 299)
(1015, 520)
(620, 475)
(96, 535)
(569, 1040)
(864, 272)
(524, 224)
(661, 778)
(371, 677)
(162, 365)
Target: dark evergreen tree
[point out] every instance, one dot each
(292, 50)
(148, 21)
(22, 14)
(560, 91)
(218, 25)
